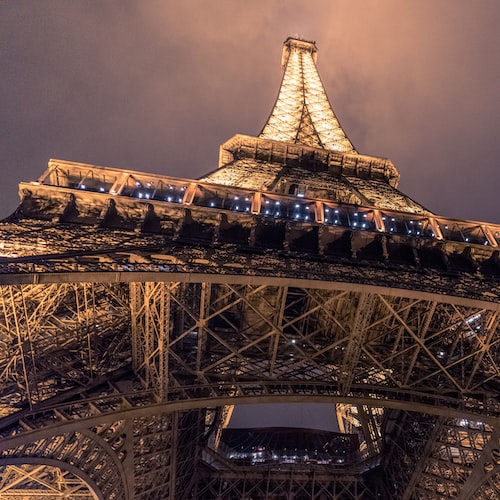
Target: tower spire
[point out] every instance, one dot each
(302, 113)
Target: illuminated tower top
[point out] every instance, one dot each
(303, 151)
(302, 113)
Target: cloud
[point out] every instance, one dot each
(157, 86)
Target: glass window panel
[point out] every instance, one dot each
(155, 189)
(171, 192)
(349, 216)
(90, 180)
(396, 223)
(456, 231)
(236, 201)
(287, 208)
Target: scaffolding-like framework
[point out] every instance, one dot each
(136, 310)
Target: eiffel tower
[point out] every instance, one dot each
(138, 309)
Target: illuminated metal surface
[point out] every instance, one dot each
(34, 482)
(136, 309)
(302, 113)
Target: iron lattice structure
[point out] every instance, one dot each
(137, 309)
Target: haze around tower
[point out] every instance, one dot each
(157, 88)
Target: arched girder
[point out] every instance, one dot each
(85, 478)
(48, 431)
(129, 458)
(305, 333)
(215, 278)
(74, 449)
(328, 308)
(405, 346)
(163, 410)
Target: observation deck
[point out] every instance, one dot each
(84, 194)
(138, 308)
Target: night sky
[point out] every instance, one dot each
(158, 85)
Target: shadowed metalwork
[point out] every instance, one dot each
(136, 310)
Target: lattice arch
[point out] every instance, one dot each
(39, 478)
(136, 309)
(96, 455)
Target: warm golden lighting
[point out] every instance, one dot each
(302, 113)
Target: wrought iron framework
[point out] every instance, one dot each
(136, 310)
(302, 113)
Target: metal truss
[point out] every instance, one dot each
(442, 457)
(283, 483)
(27, 481)
(57, 338)
(418, 348)
(124, 256)
(136, 310)
(366, 421)
(208, 345)
(302, 113)
(112, 453)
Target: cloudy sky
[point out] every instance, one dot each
(157, 86)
